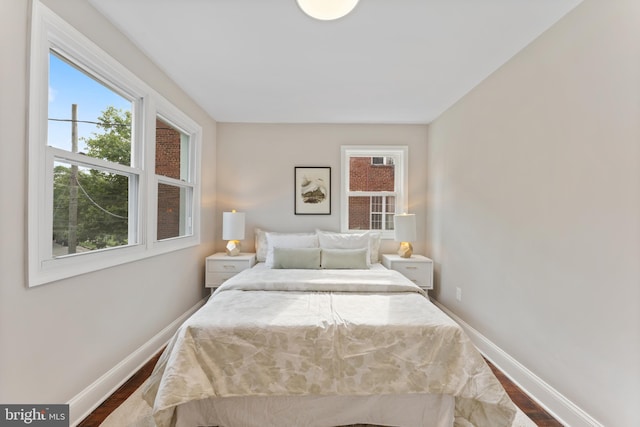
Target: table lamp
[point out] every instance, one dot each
(233, 231)
(405, 233)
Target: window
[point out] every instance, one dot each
(175, 187)
(100, 193)
(89, 141)
(374, 183)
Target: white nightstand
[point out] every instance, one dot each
(418, 268)
(219, 267)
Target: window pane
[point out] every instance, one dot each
(90, 209)
(172, 151)
(376, 204)
(389, 222)
(359, 213)
(391, 204)
(376, 221)
(364, 175)
(102, 117)
(390, 211)
(173, 212)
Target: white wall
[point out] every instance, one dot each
(57, 339)
(535, 209)
(256, 165)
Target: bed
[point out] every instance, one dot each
(287, 346)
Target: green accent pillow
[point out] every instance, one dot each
(345, 258)
(302, 258)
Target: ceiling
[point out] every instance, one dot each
(389, 61)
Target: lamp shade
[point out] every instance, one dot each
(405, 227)
(233, 225)
(327, 10)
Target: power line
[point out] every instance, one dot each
(96, 204)
(101, 123)
(89, 122)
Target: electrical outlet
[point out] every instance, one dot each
(459, 294)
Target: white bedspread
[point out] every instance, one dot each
(324, 332)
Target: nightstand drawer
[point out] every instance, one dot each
(414, 271)
(227, 266)
(418, 268)
(220, 267)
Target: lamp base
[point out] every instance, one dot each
(405, 250)
(233, 248)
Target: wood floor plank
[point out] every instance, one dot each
(527, 405)
(120, 395)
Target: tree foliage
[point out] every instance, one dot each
(102, 197)
(114, 144)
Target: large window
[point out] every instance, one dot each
(89, 140)
(112, 164)
(374, 183)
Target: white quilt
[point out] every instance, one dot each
(324, 332)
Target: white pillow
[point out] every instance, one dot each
(288, 240)
(374, 246)
(330, 240)
(261, 244)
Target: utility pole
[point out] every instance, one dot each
(73, 184)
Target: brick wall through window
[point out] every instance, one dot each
(364, 175)
(168, 164)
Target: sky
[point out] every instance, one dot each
(68, 85)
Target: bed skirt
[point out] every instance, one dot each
(426, 410)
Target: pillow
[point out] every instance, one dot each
(288, 240)
(330, 240)
(374, 246)
(303, 258)
(345, 258)
(261, 245)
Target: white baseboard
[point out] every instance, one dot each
(546, 396)
(81, 405)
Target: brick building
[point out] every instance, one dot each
(168, 164)
(371, 174)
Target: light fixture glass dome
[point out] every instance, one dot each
(327, 10)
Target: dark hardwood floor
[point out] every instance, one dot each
(524, 402)
(120, 395)
(531, 409)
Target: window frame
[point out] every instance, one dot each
(170, 115)
(400, 154)
(49, 33)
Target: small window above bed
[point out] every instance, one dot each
(374, 185)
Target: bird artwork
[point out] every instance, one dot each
(313, 191)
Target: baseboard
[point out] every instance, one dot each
(81, 405)
(546, 396)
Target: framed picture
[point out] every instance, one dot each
(312, 188)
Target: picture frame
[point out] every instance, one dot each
(312, 190)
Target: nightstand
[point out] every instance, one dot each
(418, 268)
(220, 266)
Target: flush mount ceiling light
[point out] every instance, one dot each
(327, 10)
